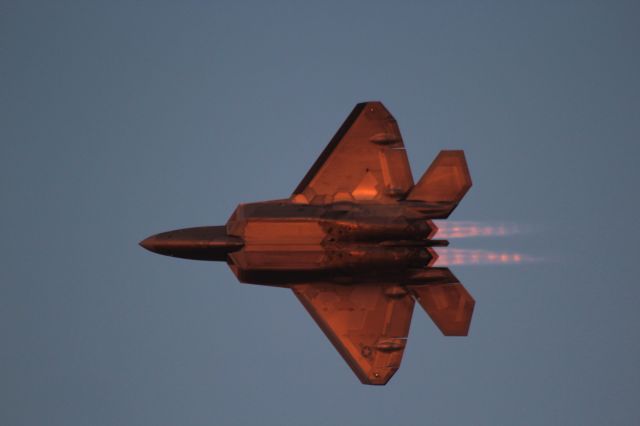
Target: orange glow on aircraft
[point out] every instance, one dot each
(353, 242)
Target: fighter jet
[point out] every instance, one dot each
(354, 242)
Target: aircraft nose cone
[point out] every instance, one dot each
(201, 243)
(149, 243)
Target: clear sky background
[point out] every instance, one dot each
(123, 119)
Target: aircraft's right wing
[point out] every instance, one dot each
(367, 324)
(365, 160)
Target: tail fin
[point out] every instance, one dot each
(446, 181)
(447, 302)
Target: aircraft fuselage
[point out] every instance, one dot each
(281, 243)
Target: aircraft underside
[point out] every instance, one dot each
(354, 242)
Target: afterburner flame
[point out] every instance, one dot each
(470, 229)
(449, 257)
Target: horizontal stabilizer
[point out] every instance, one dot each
(449, 305)
(446, 180)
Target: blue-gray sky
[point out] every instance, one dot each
(122, 119)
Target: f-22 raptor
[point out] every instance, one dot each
(354, 242)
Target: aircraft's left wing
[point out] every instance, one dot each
(365, 160)
(368, 325)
